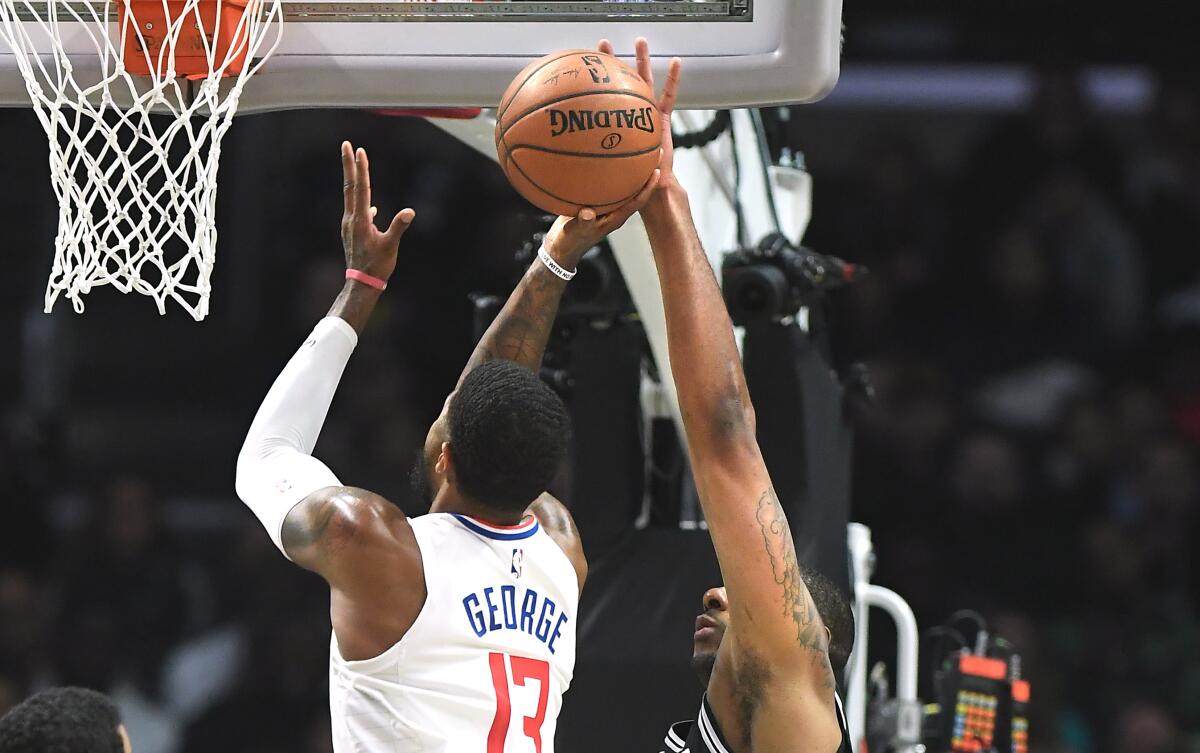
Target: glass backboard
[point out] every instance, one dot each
(401, 53)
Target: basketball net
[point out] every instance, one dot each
(135, 97)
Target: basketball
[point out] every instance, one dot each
(577, 129)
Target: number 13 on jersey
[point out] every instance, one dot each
(523, 670)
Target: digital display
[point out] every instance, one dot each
(519, 10)
(310, 11)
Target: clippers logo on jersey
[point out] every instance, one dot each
(518, 562)
(596, 67)
(495, 608)
(575, 121)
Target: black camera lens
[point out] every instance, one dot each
(756, 293)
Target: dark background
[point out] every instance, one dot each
(1031, 324)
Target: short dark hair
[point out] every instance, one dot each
(835, 611)
(508, 435)
(63, 720)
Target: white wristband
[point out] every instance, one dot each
(554, 266)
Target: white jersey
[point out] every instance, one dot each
(485, 665)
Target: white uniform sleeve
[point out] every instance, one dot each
(275, 469)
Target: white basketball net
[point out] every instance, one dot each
(136, 192)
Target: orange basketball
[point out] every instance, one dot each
(578, 129)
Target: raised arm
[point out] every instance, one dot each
(771, 611)
(522, 328)
(302, 504)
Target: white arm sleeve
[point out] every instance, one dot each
(275, 469)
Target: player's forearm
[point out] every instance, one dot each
(294, 409)
(749, 528)
(713, 397)
(275, 469)
(355, 304)
(522, 329)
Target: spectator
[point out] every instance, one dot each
(128, 605)
(1164, 186)
(1145, 728)
(1058, 131)
(1099, 258)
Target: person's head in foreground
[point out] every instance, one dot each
(499, 443)
(831, 603)
(64, 720)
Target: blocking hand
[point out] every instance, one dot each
(666, 102)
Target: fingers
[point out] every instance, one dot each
(400, 224)
(580, 224)
(640, 200)
(666, 103)
(586, 216)
(606, 47)
(362, 197)
(621, 214)
(644, 69)
(349, 173)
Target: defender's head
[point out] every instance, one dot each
(831, 603)
(64, 720)
(498, 443)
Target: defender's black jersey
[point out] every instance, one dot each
(704, 735)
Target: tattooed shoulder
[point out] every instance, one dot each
(323, 521)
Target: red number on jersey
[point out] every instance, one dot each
(522, 669)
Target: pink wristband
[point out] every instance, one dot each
(359, 276)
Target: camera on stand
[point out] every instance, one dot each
(596, 300)
(773, 280)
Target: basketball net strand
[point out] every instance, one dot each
(133, 158)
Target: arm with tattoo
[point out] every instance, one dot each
(797, 604)
(522, 328)
(749, 528)
(770, 607)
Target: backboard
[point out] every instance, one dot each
(401, 53)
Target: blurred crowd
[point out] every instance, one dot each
(1033, 328)
(1032, 324)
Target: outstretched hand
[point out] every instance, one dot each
(571, 237)
(666, 102)
(367, 248)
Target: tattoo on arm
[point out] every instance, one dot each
(306, 526)
(797, 603)
(522, 328)
(781, 550)
(553, 515)
(355, 304)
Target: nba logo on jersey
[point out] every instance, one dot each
(518, 562)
